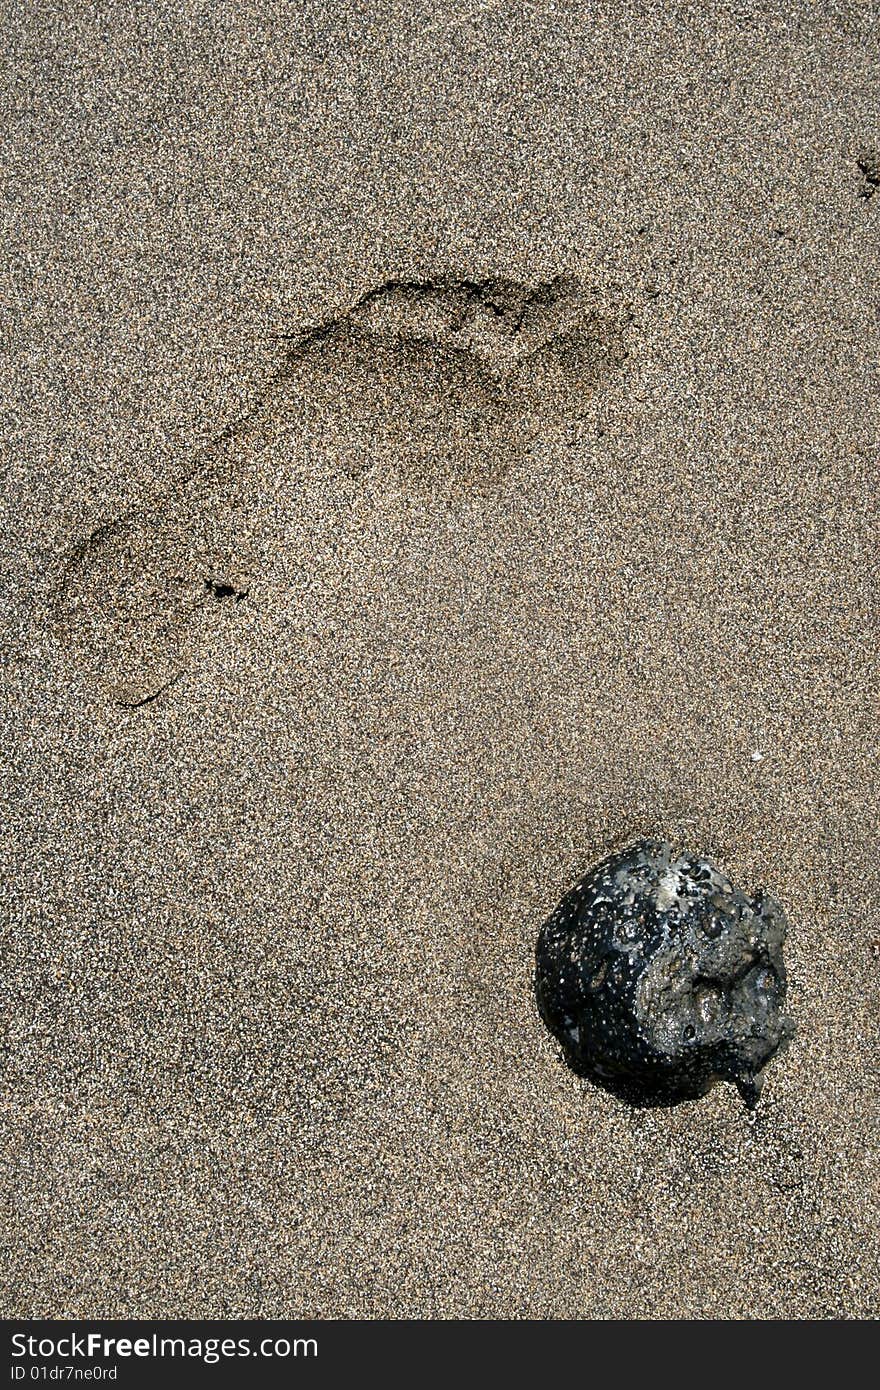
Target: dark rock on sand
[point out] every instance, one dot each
(659, 978)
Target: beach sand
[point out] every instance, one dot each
(332, 658)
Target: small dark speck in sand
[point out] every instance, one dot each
(222, 590)
(869, 164)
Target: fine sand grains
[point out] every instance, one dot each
(559, 530)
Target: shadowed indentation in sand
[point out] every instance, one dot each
(868, 161)
(444, 382)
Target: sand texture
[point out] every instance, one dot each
(440, 446)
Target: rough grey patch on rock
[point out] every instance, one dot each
(660, 978)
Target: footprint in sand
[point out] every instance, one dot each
(443, 381)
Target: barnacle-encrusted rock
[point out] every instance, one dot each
(660, 978)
